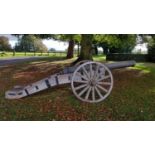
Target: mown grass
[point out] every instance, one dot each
(100, 58)
(4, 55)
(132, 98)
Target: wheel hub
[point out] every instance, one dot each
(92, 82)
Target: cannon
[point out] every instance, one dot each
(90, 81)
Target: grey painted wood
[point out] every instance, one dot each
(90, 81)
(93, 91)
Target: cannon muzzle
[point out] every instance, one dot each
(121, 64)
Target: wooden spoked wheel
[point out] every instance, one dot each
(92, 82)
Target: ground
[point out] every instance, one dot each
(132, 98)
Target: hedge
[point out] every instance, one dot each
(136, 57)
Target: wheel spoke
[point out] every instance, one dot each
(93, 93)
(91, 71)
(80, 81)
(105, 90)
(102, 71)
(81, 86)
(85, 72)
(96, 72)
(83, 91)
(82, 76)
(97, 90)
(104, 83)
(103, 78)
(88, 93)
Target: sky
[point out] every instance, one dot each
(60, 46)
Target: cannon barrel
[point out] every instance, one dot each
(121, 64)
(115, 65)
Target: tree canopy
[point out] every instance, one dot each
(4, 44)
(115, 43)
(30, 43)
(150, 40)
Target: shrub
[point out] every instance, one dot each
(136, 57)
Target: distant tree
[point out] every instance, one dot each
(115, 43)
(52, 49)
(4, 44)
(150, 40)
(30, 43)
(127, 42)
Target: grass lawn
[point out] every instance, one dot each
(28, 54)
(132, 98)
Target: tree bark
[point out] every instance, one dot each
(78, 50)
(86, 47)
(70, 49)
(96, 50)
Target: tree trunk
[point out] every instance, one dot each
(14, 52)
(70, 49)
(78, 50)
(86, 47)
(96, 50)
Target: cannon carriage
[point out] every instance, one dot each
(90, 81)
